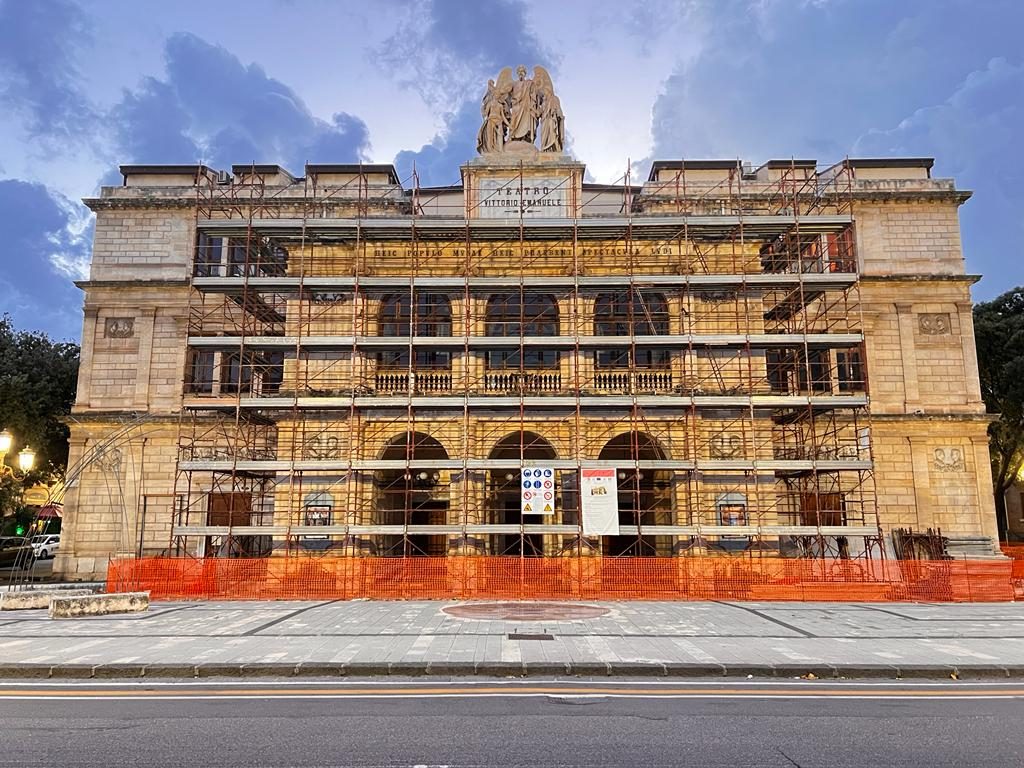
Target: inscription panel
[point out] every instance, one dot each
(533, 198)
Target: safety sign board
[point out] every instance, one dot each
(538, 490)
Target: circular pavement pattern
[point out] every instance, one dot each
(525, 611)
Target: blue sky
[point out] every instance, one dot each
(86, 86)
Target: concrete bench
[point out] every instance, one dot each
(98, 605)
(28, 599)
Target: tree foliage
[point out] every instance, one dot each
(38, 377)
(999, 334)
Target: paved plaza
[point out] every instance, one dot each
(445, 638)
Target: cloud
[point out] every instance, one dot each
(774, 79)
(39, 79)
(437, 163)
(974, 136)
(446, 50)
(444, 47)
(778, 79)
(46, 241)
(212, 107)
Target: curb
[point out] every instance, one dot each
(446, 669)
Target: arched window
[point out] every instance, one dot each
(631, 313)
(433, 317)
(522, 314)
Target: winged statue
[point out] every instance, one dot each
(549, 112)
(516, 110)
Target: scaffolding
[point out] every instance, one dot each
(371, 365)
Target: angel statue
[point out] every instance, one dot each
(549, 109)
(522, 108)
(511, 109)
(491, 136)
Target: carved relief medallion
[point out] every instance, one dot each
(949, 459)
(119, 327)
(726, 446)
(934, 324)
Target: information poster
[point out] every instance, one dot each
(599, 493)
(538, 491)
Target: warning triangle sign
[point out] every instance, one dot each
(527, 507)
(547, 508)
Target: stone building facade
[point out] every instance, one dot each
(774, 360)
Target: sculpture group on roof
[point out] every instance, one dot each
(518, 110)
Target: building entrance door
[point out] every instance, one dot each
(429, 512)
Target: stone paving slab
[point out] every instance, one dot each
(329, 638)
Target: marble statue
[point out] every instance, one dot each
(517, 110)
(552, 121)
(491, 136)
(523, 108)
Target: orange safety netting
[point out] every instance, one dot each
(1016, 553)
(589, 578)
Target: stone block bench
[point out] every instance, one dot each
(28, 599)
(62, 607)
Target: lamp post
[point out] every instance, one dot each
(26, 457)
(26, 460)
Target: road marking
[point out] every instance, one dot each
(490, 683)
(589, 692)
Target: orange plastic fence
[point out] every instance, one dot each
(1016, 553)
(594, 578)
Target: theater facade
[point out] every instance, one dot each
(771, 361)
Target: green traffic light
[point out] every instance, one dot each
(20, 530)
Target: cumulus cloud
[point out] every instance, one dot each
(446, 51)
(39, 79)
(444, 47)
(774, 79)
(974, 134)
(212, 107)
(826, 80)
(46, 239)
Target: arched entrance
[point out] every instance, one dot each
(645, 495)
(503, 493)
(412, 496)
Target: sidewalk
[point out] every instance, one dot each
(695, 639)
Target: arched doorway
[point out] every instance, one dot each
(412, 496)
(644, 495)
(503, 493)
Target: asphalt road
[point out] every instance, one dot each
(510, 723)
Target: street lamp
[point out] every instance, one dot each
(26, 457)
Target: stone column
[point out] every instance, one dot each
(972, 381)
(911, 395)
(921, 480)
(85, 368)
(145, 329)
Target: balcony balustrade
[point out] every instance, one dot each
(523, 382)
(416, 382)
(633, 381)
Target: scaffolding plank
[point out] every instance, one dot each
(316, 531)
(668, 341)
(618, 402)
(780, 280)
(702, 465)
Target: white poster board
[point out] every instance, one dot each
(599, 499)
(537, 491)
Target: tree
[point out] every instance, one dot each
(999, 335)
(38, 377)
